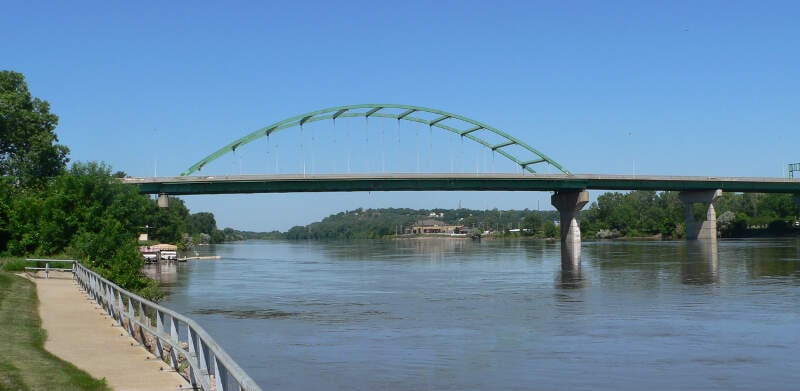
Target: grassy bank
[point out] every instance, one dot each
(24, 364)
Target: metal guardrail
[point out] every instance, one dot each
(174, 338)
(47, 267)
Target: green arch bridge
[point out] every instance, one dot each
(570, 191)
(454, 123)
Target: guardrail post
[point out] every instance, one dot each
(143, 320)
(217, 374)
(202, 357)
(98, 293)
(196, 354)
(120, 308)
(108, 299)
(104, 298)
(159, 333)
(173, 334)
(130, 318)
(92, 285)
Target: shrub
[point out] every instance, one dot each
(13, 264)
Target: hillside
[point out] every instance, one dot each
(378, 223)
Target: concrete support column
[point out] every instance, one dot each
(568, 203)
(698, 228)
(163, 200)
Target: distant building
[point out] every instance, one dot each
(431, 226)
(155, 252)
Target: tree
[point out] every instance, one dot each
(634, 214)
(171, 222)
(29, 152)
(202, 223)
(83, 202)
(6, 211)
(532, 223)
(550, 230)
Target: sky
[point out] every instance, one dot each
(614, 87)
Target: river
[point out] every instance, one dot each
(452, 314)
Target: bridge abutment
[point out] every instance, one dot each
(700, 227)
(568, 203)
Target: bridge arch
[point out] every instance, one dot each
(400, 112)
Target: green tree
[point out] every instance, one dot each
(29, 152)
(778, 206)
(549, 230)
(532, 223)
(6, 198)
(202, 222)
(170, 223)
(634, 214)
(87, 214)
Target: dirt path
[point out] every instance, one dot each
(81, 333)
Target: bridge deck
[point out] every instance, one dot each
(80, 333)
(452, 182)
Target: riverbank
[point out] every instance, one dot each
(25, 364)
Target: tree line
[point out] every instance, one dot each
(386, 222)
(612, 215)
(650, 213)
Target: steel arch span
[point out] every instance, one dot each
(400, 112)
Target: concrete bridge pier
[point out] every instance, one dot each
(698, 228)
(163, 200)
(568, 203)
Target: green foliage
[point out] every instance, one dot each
(549, 230)
(29, 152)
(203, 228)
(378, 223)
(6, 198)
(202, 222)
(232, 235)
(13, 264)
(90, 216)
(636, 213)
(170, 223)
(533, 224)
(643, 213)
(357, 224)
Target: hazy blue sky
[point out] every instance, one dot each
(672, 87)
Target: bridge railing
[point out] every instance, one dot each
(174, 338)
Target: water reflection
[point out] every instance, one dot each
(571, 276)
(164, 273)
(702, 262)
(775, 259)
(430, 248)
(434, 249)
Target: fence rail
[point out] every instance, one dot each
(47, 268)
(174, 338)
